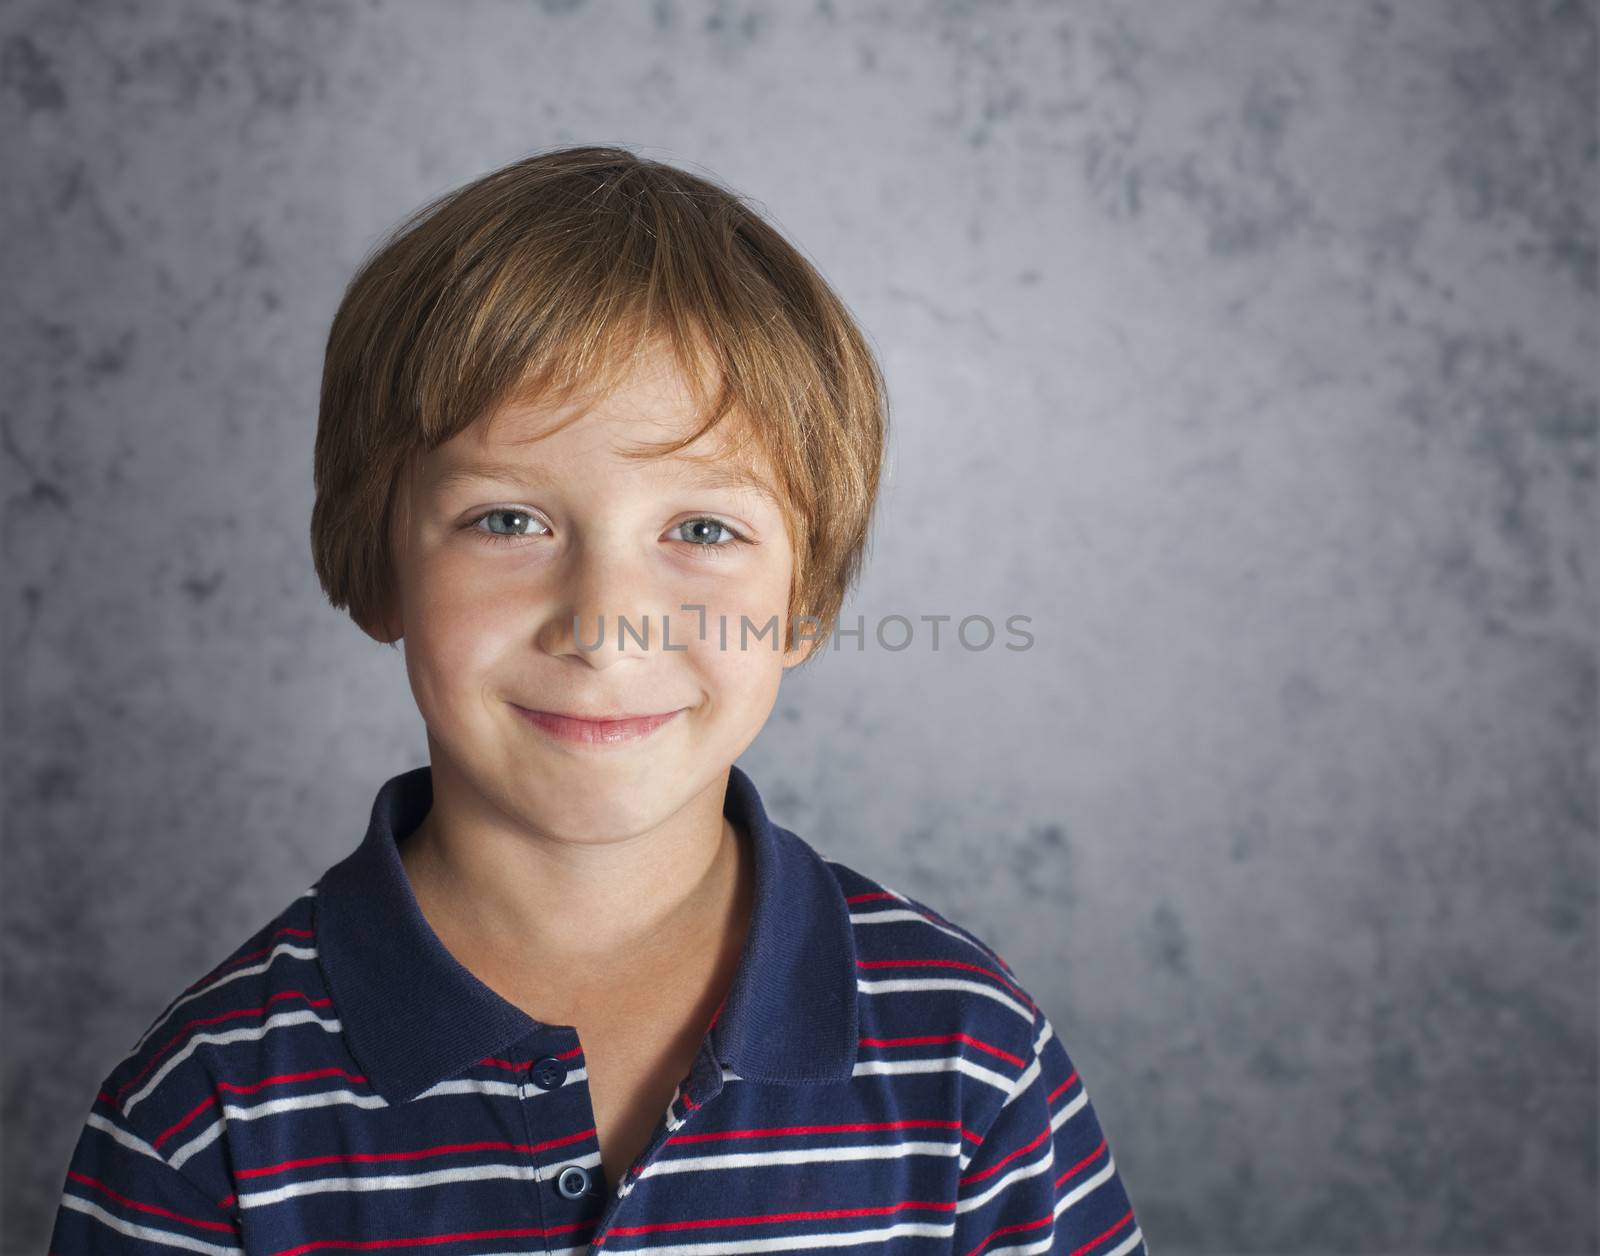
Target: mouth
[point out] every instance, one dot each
(586, 730)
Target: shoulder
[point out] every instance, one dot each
(936, 997)
(927, 978)
(210, 1047)
(885, 919)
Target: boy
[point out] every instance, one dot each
(601, 449)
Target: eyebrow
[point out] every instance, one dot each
(700, 475)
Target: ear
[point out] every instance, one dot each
(383, 625)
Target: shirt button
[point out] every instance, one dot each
(548, 1072)
(572, 1182)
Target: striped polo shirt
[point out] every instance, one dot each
(876, 1080)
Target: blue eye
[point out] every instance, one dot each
(736, 539)
(707, 525)
(502, 511)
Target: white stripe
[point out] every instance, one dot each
(1047, 1243)
(1069, 1109)
(165, 1237)
(917, 985)
(1080, 1099)
(793, 1242)
(302, 1103)
(132, 1141)
(1090, 1184)
(894, 915)
(1042, 1164)
(1022, 1172)
(1128, 1244)
(523, 1251)
(483, 1086)
(520, 1171)
(344, 1096)
(938, 1064)
(983, 949)
(199, 1142)
(1024, 1079)
(291, 1103)
(292, 949)
(247, 1034)
(1026, 1249)
(796, 1155)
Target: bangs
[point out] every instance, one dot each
(543, 284)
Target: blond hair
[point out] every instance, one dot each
(543, 280)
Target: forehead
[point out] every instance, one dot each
(533, 439)
(464, 470)
(524, 445)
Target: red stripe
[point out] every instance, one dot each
(283, 1079)
(931, 1039)
(1052, 1096)
(1081, 1165)
(515, 1065)
(1000, 1164)
(442, 1149)
(1016, 1227)
(946, 963)
(213, 1020)
(775, 1218)
(360, 1245)
(193, 1112)
(790, 1131)
(1104, 1234)
(927, 913)
(150, 1208)
(239, 961)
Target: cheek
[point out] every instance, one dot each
(457, 629)
(743, 644)
(458, 601)
(759, 594)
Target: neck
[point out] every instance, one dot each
(521, 909)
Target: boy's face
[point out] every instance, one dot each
(492, 566)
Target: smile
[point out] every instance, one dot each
(582, 732)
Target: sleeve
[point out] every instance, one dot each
(122, 1198)
(1044, 1180)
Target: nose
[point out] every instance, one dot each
(606, 608)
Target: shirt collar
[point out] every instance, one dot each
(413, 1015)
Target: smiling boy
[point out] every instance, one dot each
(532, 579)
(599, 452)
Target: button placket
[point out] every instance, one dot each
(549, 1072)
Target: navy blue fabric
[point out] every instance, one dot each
(414, 1015)
(876, 1079)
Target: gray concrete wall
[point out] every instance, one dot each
(1250, 348)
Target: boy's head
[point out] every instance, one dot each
(681, 411)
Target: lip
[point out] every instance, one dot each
(582, 731)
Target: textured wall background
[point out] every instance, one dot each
(1250, 348)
